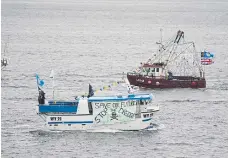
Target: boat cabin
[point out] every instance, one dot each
(153, 70)
(86, 106)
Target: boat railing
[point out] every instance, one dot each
(191, 78)
(62, 103)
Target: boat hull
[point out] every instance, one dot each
(176, 82)
(86, 123)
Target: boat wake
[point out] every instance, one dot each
(43, 132)
(105, 130)
(21, 126)
(156, 127)
(153, 127)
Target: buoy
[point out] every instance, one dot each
(157, 83)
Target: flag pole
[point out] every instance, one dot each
(53, 84)
(37, 82)
(53, 88)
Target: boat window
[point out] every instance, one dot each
(151, 114)
(50, 125)
(157, 69)
(141, 102)
(143, 70)
(144, 115)
(147, 115)
(152, 69)
(146, 69)
(55, 124)
(69, 124)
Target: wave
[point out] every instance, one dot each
(198, 101)
(177, 101)
(17, 99)
(16, 86)
(88, 76)
(44, 132)
(107, 130)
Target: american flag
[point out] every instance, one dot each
(206, 61)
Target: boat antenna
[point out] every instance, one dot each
(161, 35)
(161, 47)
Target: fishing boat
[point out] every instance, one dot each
(118, 112)
(176, 64)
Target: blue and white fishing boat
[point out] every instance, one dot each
(119, 112)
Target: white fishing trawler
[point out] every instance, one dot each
(120, 112)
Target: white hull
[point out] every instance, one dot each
(86, 123)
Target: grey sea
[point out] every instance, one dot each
(87, 41)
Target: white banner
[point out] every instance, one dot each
(113, 112)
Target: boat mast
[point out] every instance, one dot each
(204, 71)
(160, 48)
(53, 84)
(180, 34)
(160, 45)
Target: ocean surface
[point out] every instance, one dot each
(87, 41)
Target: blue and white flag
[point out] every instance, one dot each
(39, 81)
(207, 55)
